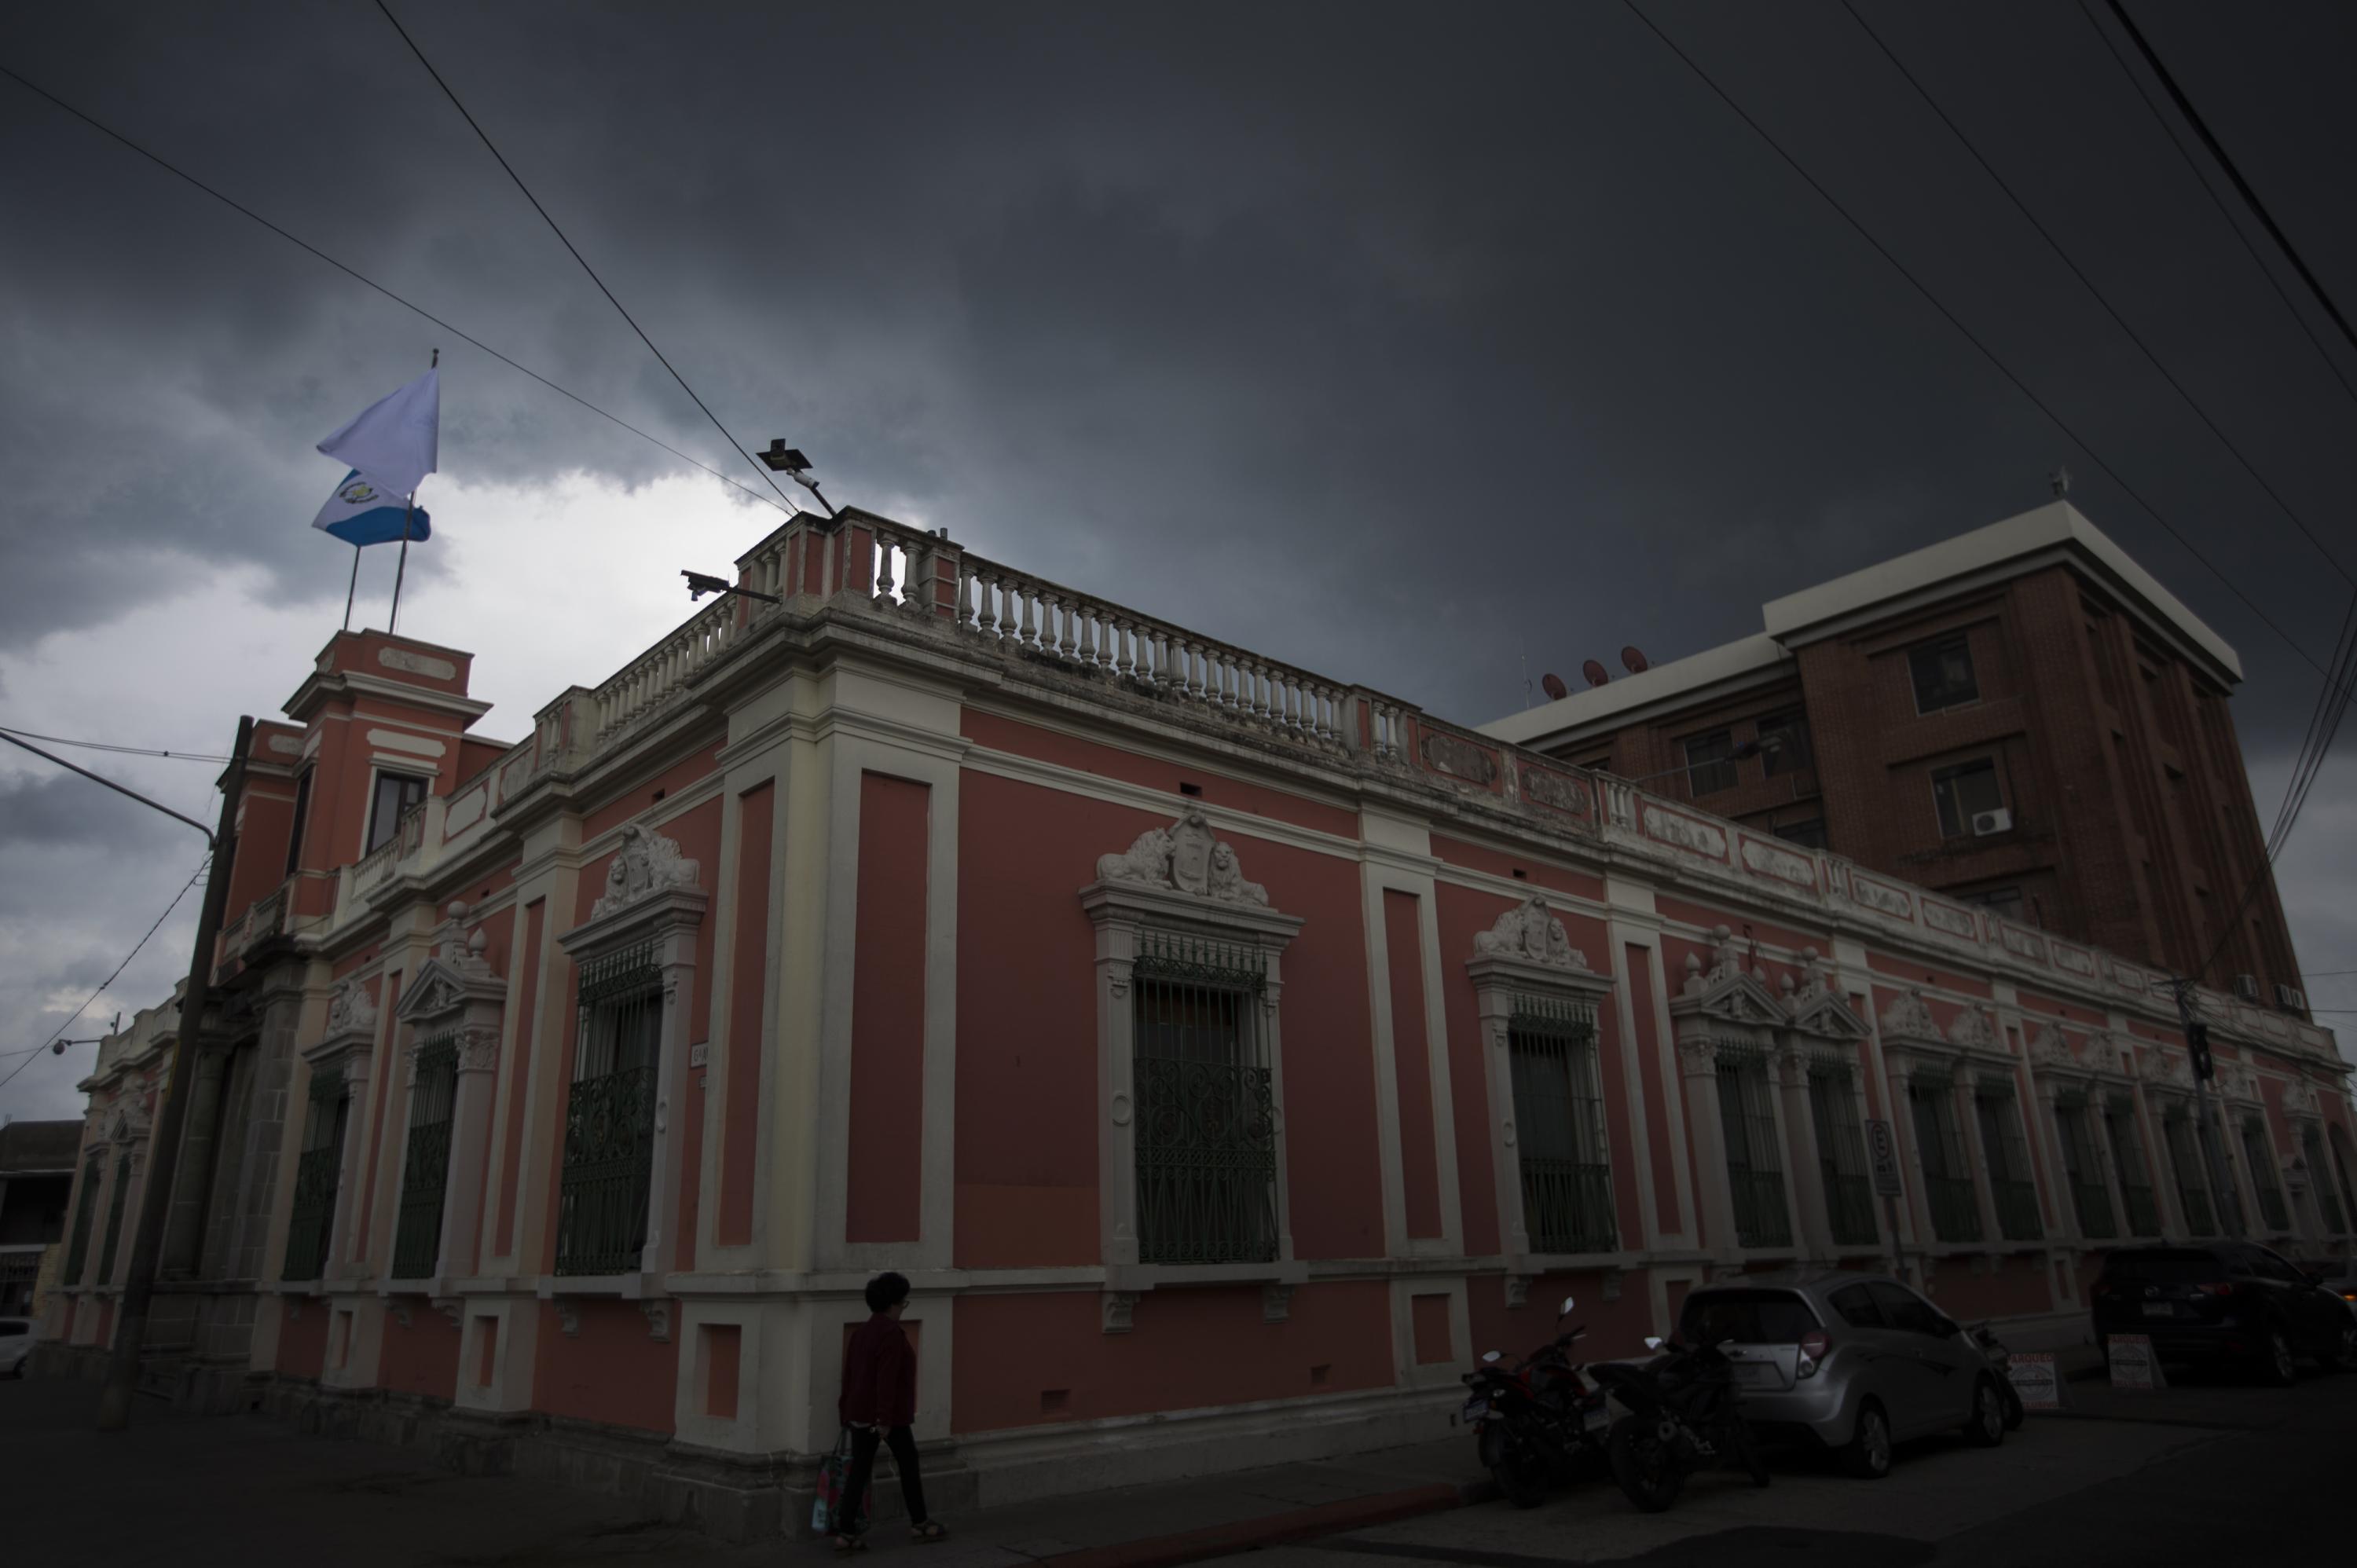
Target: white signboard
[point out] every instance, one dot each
(2037, 1379)
(2134, 1365)
(1883, 1150)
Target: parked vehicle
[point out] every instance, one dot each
(2230, 1303)
(1534, 1418)
(1853, 1363)
(16, 1344)
(1681, 1417)
(2000, 1360)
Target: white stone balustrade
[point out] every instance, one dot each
(647, 683)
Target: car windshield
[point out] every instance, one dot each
(2166, 1266)
(1745, 1317)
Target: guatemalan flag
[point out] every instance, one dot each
(363, 513)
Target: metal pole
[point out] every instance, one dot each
(164, 1145)
(354, 589)
(399, 572)
(2221, 1193)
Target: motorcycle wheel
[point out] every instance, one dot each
(1742, 1451)
(1648, 1472)
(1521, 1475)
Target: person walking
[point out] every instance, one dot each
(879, 1402)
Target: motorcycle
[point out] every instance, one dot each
(2000, 1360)
(1535, 1419)
(1682, 1416)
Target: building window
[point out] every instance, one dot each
(1559, 1110)
(85, 1211)
(114, 1217)
(1784, 743)
(1840, 1152)
(1942, 672)
(610, 1122)
(433, 1095)
(2006, 1150)
(1206, 1113)
(2264, 1179)
(1964, 792)
(2341, 1173)
(2090, 1199)
(1947, 1176)
(2185, 1158)
(1754, 1173)
(312, 1218)
(2006, 902)
(302, 818)
(1810, 834)
(2320, 1176)
(1710, 763)
(2130, 1166)
(395, 793)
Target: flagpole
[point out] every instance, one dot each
(399, 572)
(354, 589)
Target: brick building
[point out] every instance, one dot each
(2020, 717)
(1227, 1054)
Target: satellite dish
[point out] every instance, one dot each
(1595, 673)
(1633, 662)
(1552, 684)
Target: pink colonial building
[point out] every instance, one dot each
(1227, 1054)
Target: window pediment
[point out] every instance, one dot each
(455, 980)
(1817, 1009)
(1727, 992)
(1529, 950)
(1184, 877)
(650, 890)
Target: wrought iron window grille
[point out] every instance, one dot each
(417, 1231)
(1206, 1117)
(1563, 1160)
(609, 1115)
(312, 1215)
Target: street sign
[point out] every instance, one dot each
(2036, 1380)
(2134, 1365)
(1883, 1149)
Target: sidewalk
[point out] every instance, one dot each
(185, 1490)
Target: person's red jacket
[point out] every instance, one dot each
(879, 1376)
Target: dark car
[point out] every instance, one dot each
(2229, 1302)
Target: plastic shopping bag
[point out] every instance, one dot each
(834, 1472)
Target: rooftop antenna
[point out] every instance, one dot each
(2061, 479)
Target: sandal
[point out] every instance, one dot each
(931, 1529)
(844, 1545)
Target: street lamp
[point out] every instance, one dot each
(784, 459)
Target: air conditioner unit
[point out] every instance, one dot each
(2292, 997)
(1987, 822)
(2247, 986)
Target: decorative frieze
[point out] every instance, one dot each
(1690, 833)
(1783, 864)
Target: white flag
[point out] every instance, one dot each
(395, 442)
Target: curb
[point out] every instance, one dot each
(1276, 1530)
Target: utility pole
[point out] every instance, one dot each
(2205, 1133)
(164, 1145)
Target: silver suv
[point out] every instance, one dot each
(1854, 1362)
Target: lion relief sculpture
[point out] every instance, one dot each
(1187, 857)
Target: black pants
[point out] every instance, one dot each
(864, 1442)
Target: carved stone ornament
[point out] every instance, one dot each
(1275, 1302)
(2299, 1100)
(352, 1010)
(2237, 1080)
(1909, 1017)
(1972, 1030)
(658, 1320)
(1688, 833)
(1816, 1006)
(126, 1125)
(2050, 1047)
(1186, 857)
(1726, 989)
(646, 864)
(1700, 1052)
(1530, 932)
(1518, 1291)
(568, 1318)
(452, 1308)
(478, 1047)
(1119, 1307)
(2175, 1072)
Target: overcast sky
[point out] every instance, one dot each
(1403, 343)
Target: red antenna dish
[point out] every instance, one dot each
(1552, 684)
(1595, 673)
(1633, 662)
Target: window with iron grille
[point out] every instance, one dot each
(1710, 762)
(417, 1230)
(1755, 1175)
(2129, 1162)
(1841, 1150)
(2185, 1159)
(2335, 1216)
(317, 1171)
(2341, 1172)
(1559, 1113)
(2090, 1198)
(2007, 1148)
(1206, 1107)
(85, 1211)
(2256, 1154)
(114, 1217)
(610, 1116)
(1947, 1176)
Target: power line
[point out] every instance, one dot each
(1974, 339)
(2089, 283)
(110, 979)
(104, 746)
(358, 276)
(577, 256)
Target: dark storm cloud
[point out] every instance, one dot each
(57, 810)
(1396, 341)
